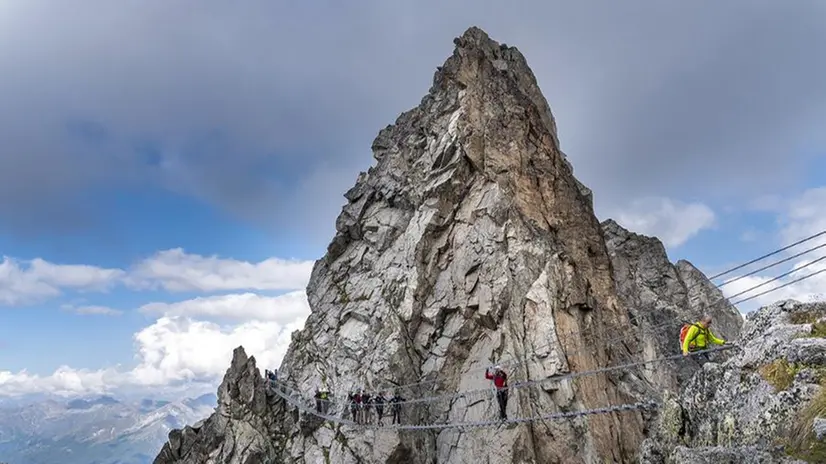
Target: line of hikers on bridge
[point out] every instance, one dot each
(362, 405)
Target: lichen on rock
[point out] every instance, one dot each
(761, 405)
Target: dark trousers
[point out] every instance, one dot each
(502, 398)
(702, 358)
(397, 415)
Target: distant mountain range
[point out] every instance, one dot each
(95, 430)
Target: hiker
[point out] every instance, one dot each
(359, 413)
(396, 407)
(354, 408)
(367, 404)
(695, 337)
(317, 400)
(500, 381)
(379, 401)
(324, 397)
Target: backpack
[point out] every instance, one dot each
(684, 332)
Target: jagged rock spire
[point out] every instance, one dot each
(469, 243)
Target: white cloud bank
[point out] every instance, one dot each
(282, 309)
(180, 348)
(672, 221)
(38, 279)
(173, 270)
(186, 343)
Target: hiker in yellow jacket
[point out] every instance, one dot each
(699, 335)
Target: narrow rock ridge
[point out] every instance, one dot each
(660, 297)
(469, 243)
(247, 427)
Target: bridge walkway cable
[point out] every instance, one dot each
(297, 401)
(295, 398)
(572, 375)
(486, 393)
(514, 361)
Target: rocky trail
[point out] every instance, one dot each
(470, 243)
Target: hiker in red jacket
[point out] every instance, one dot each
(500, 380)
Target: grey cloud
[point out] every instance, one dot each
(268, 109)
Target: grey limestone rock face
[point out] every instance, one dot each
(761, 405)
(468, 243)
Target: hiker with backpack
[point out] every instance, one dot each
(354, 407)
(695, 337)
(367, 407)
(396, 407)
(359, 407)
(500, 381)
(317, 397)
(325, 400)
(378, 403)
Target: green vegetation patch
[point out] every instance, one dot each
(779, 374)
(343, 296)
(819, 329)
(805, 317)
(815, 318)
(803, 444)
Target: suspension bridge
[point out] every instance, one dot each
(463, 401)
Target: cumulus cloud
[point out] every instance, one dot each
(181, 345)
(672, 221)
(282, 309)
(64, 381)
(172, 270)
(180, 348)
(24, 282)
(175, 270)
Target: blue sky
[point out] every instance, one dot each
(193, 159)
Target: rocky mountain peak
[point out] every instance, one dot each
(243, 388)
(484, 118)
(469, 243)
